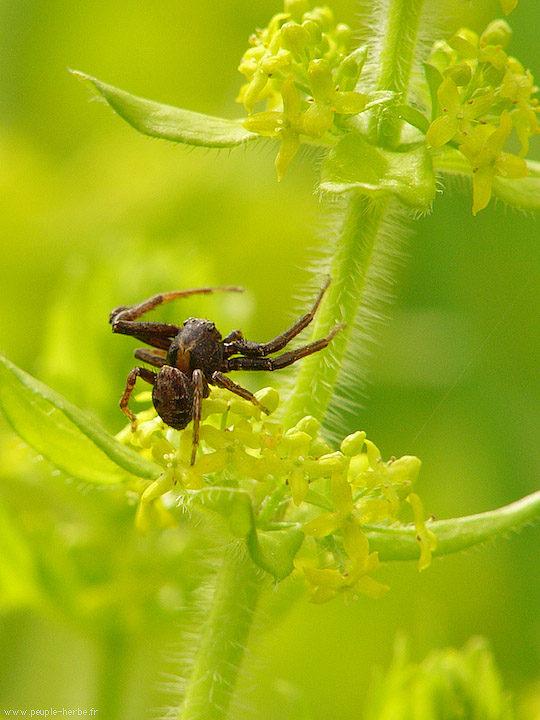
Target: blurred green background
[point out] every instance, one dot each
(94, 215)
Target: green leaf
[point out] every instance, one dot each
(274, 551)
(170, 123)
(455, 534)
(232, 504)
(64, 434)
(354, 164)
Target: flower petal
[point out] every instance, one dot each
(448, 96)
(341, 493)
(511, 166)
(298, 483)
(482, 183)
(324, 577)
(370, 587)
(354, 540)
(496, 140)
(289, 147)
(442, 130)
(317, 120)
(478, 105)
(323, 525)
(374, 454)
(268, 124)
(321, 81)
(291, 98)
(349, 103)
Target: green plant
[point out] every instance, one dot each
(306, 488)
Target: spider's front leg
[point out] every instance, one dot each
(281, 361)
(145, 374)
(223, 381)
(236, 343)
(200, 391)
(124, 319)
(132, 312)
(178, 400)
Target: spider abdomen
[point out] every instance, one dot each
(173, 397)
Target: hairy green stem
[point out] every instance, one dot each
(457, 533)
(358, 230)
(396, 60)
(357, 235)
(213, 677)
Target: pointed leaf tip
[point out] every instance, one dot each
(167, 122)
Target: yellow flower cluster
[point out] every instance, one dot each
(290, 475)
(300, 66)
(482, 93)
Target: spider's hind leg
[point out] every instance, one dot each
(200, 391)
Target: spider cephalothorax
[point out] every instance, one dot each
(193, 356)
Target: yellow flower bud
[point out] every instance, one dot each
(461, 73)
(320, 80)
(309, 425)
(323, 16)
(296, 8)
(317, 120)
(465, 42)
(268, 397)
(299, 484)
(295, 439)
(331, 462)
(404, 469)
(497, 32)
(295, 38)
(314, 31)
(353, 444)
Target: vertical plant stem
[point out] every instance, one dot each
(357, 233)
(358, 229)
(211, 684)
(396, 60)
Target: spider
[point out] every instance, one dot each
(193, 356)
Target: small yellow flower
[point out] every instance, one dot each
(457, 116)
(327, 583)
(327, 100)
(273, 469)
(483, 147)
(518, 86)
(287, 125)
(425, 537)
(498, 32)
